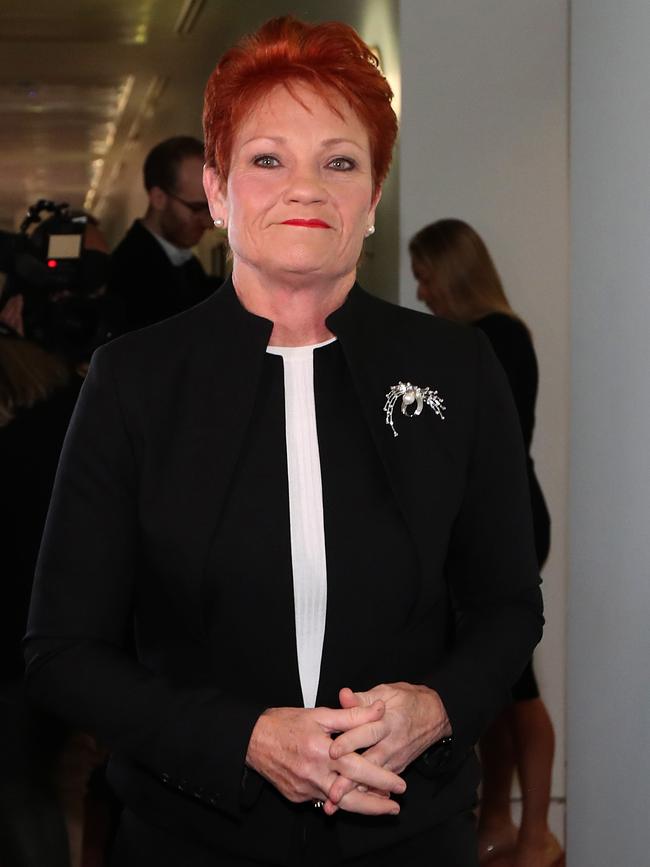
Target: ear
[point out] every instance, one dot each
(215, 193)
(157, 198)
(373, 205)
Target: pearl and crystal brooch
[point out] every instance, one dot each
(414, 399)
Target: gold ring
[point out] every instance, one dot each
(319, 804)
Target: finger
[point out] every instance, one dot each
(344, 719)
(330, 807)
(348, 698)
(359, 738)
(344, 787)
(321, 792)
(369, 804)
(381, 754)
(340, 788)
(357, 769)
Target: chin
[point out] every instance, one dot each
(301, 264)
(188, 242)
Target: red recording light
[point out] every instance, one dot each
(52, 263)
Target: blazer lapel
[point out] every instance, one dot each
(373, 372)
(222, 381)
(419, 460)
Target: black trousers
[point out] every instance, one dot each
(451, 844)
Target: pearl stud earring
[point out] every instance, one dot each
(370, 231)
(219, 223)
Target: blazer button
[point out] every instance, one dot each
(164, 778)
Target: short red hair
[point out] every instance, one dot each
(330, 58)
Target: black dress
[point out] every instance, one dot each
(513, 347)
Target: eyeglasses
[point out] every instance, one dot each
(194, 207)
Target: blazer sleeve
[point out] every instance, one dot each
(492, 573)
(78, 663)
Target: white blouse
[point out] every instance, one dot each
(307, 527)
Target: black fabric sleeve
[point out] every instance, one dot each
(78, 666)
(492, 572)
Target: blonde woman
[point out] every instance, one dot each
(457, 280)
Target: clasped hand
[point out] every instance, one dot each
(311, 754)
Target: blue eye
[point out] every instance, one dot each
(342, 164)
(266, 161)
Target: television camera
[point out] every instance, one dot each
(61, 278)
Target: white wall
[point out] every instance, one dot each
(485, 138)
(609, 602)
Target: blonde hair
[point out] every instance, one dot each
(28, 375)
(463, 269)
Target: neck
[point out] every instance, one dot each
(297, 305)
(150, 221)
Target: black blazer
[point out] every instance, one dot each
(146, 284)
(144, 473)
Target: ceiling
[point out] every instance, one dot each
(88, 86)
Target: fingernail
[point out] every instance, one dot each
(394, 812)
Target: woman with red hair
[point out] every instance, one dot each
(311, 505)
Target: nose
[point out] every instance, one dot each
(305, 187)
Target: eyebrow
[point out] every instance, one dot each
(336, 141)
(282, 140)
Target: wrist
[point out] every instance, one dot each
(259, 737)
(439, 724)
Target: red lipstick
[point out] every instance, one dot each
(308, 224)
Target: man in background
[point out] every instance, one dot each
(153, 271)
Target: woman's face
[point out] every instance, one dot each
(428, 291)
(299, 195)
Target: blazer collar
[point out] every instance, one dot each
(378, 354)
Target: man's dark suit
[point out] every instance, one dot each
(149, 287)
(143, 477)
